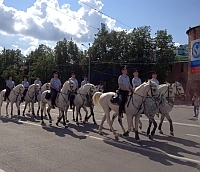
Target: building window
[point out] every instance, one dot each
(182, 67)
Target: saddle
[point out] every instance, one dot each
(116, 99)
(48, 96)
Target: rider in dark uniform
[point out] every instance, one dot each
(25, 83)
(9, 86)
(124, 88)
(55, 88)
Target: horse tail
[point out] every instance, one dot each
(96, 98)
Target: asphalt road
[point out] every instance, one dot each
(26, 146)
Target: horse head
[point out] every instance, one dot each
(37, 88)
(178, 90)
(89, 89)
(153, 90)
(99, 88)
(68, 86)
(19, 89)
(47, 85)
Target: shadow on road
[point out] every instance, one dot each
(151, 153)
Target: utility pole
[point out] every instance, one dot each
(89, 61)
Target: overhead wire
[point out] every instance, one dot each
(106, 15)
(75, 18)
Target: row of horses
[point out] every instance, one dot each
(148, 98)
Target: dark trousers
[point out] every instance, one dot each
(7, 93)
(123, 95)
(71, 98)
(54, 94)
(24, 94)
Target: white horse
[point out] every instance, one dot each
(168, 92)
(14, 97)
(33, 90)
(132, 107)
(164, 110)
(80, 100)
(62, 100)
(44, 87)
(89, 103)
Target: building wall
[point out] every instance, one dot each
(179, 72)
(193, 81)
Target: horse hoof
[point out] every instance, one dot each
(77, 123)
(38, 114)
(160, 132)
(116, 137)
(133, 130)
(42, 123)
(95, 123)
(66, 126)
(139, 142)
(57, 123)
(74, 120)
(172, 133)
(23, 115)
(150, 137)
(84, 122)
(50, 121)
(29, 111)
(45, 115)
(126, 134)
(140, 127)
(100, 133)
(67, 121)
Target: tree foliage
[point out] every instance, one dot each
(110, 49)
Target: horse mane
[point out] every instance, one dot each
(139, 87)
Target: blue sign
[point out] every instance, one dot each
(196, 50)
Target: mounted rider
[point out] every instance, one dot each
(85, 80)
(55, 85)
(154, 77)
(25, 83)
(10, 84)
(136, 81)
(124, 88)
(72, 94)
(37, 81)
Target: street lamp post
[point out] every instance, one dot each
(89, 59)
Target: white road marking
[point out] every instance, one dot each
(145, 149)
(2, 170)
(122, 144)
(176, 123)
(193, 135)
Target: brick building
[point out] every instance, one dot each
(193, 81)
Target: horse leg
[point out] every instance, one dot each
(120, 122)
(42, 109)
(170, 123)
(130, 124)
(137, 117)
(29, 110)
(32, 107)
(80, 114)
(38, 108)
(154, 129)
(66, 109)
(86, 113)
(73, 114)
(92, 113)
(18, 108)
(7, 103)
(11, 109)
(161, 121)
(77, 112)
(23, 113)
(113, 118)
(49, 115)
(63, 117)
(101, 125)
(110, 125)
(149, 127)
